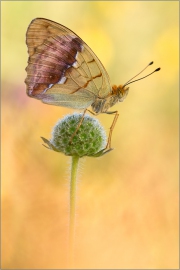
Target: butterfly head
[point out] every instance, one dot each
(120, 91)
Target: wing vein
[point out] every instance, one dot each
(91, 72)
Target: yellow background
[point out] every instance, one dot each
(127, 200)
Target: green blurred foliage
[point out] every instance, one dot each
(127, 200)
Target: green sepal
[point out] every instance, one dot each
(102, 152)
(51, 146)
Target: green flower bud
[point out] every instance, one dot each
(88, 140)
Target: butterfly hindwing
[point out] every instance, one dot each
(62, 70)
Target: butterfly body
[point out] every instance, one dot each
(102, 105)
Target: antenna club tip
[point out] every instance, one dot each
(157, 69)
(151, 63)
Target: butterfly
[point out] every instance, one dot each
(63, 71)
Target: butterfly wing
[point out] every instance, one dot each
(62, 70)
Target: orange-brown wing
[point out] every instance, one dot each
(62, 70)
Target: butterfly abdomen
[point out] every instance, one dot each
(102, 105)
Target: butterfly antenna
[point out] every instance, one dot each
(157, 69)
(138, 74)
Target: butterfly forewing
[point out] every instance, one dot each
(62, 70)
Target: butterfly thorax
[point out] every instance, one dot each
(118, 94)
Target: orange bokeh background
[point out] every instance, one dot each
(127, 200)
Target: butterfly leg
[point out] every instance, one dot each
(108, 146)
(78, 126)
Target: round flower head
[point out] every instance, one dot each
(88, 140)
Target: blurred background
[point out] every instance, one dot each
(127, 200)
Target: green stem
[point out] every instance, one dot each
(74, 168)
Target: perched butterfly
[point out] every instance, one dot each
(62, 70)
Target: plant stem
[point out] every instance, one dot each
(74, 168)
